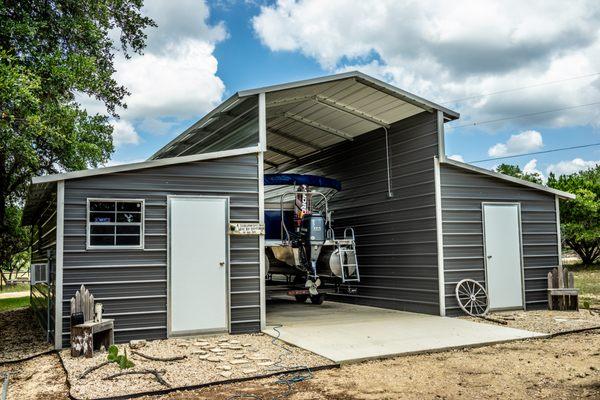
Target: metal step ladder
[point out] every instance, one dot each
(347, 253)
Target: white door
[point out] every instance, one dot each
(503, 255)
(198, 264)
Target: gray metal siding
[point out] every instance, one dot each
(132, 284)
(43, 250)
(462, 195)
(396, 237)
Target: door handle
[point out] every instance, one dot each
(489, 256)
(222, 264)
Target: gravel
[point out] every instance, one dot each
(208, 359)
(545, 321)
(20, 335)
(40, 378)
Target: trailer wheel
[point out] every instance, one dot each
(301, 298)
(317, 299)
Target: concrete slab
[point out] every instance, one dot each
(348, 333)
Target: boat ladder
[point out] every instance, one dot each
(346, 248)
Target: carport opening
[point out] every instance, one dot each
(346, 165)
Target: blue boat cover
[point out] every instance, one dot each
(299, 179)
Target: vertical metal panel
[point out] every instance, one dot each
(262, 144)
(132, 284)
(43, 250)
(396, 237)
(463, 193)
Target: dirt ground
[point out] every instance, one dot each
(207, 359)
(20, 336)
(564, 367)
(545, 321)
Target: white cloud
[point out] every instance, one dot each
(450, 50)
(457, 157)
(176, 77)
(570, 167)
(124, 133)
(516, 144)
(531, 168)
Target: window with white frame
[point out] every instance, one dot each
(115, 223)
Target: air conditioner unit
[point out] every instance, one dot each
(38, 273)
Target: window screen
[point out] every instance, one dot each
(115, 223)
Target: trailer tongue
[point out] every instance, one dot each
(304, 258)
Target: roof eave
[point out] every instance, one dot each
(363, 78)
(143, 165)
(458, 164)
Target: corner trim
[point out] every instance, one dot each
(262, 145)
(440, 236)
(58, 278)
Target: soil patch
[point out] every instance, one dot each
(564, 367)
(40, 378)
(208, 359)
(20, 335)
(545, 321)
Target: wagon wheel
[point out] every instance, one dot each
(472, 297)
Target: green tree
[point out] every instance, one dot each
(514, 170)
(49, 51)
(580, 218)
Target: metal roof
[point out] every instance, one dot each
(304, 116)
(472, 168)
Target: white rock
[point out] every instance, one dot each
(202, 352)
(214, 359)
(222, 340)
(204, 356)
(201, 344)
(234, 342)
(249, 371)
(239, 356)
(246, 345)
(217, 350)
(224, 367)
(137, 343)
(238, 362)
(226, 374)
(265, 363)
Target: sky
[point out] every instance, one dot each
(491, 61)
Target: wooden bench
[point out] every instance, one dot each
(90, 335)
(562, 294)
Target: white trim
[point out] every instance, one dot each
(170, 333)
(141, 224)
(144, 164)
(519, 226)
(498, 175)
(261, 242)
(558, 232)
(262, 122)
(262, 144)
(441, 136)
(58, 276)
(440, 236)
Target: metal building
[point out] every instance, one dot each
(422, 221)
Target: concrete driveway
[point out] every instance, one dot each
(349, 333)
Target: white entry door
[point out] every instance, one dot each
(198, 264)
(502, 230)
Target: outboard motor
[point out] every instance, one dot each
(312, 237)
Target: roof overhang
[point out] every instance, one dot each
(472, 168)
(306, 116)
(43, 186)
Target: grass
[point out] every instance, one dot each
(21, 287)
(12, 303)
(587, 280)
